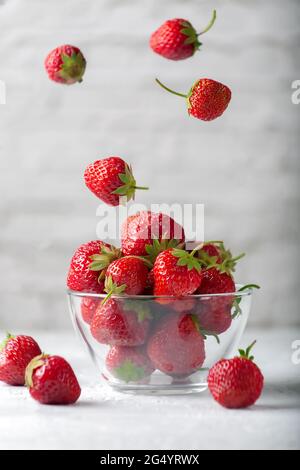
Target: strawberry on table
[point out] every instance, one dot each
(88, 266)
(129, 364)
(52, 381)
(207, 99)
(65, 64)
(177, 345)
(237, 382)
(15, 354)
(120, 323)
(110, 179)
(177, 39)
(149, 233)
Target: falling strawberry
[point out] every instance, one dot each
(110, 179)
(121, 323)
(236, 383)
(52, 381)
(207, 99)
(177, 39)
(129, 364)
(149, 233)
(15, 354)
(89, 306)
(176, 273)
(128, 275)
(88, 266)
(177, 345)
(65, 64)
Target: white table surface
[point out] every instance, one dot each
(103, 419)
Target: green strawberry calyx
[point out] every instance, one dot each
(236, 303)
(158, 246)
(141, 308)
(187, 259)
(73, 67)
(129, 372)
(6, 340)
(129, 186)
(111, 288)
(228, 262)
(246, 353)
(192, 35)
(101, 261)
(202, 331)
(36, 362)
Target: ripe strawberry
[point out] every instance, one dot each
(177, 39)
(150, 283)
(149, 233)
(215, 315)
(129, 364)
(65, 64)
(51, 381)
(88, 308)
(118, 323)
(207, 99)
(128, 273)
(15, 354)
(236, 383)
(88, 266)
(177, 345)
(176, 273)
(111, 178)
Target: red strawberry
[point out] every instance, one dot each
(117, 322)
(177, 39)
(65, 64)
(177, 345)
(176, 273)
(150, 283)
(148, 233)
(88, 265)
(15, 354)
(207, 99)
(88, 308)
(51, 381)
(111, 178)
(128, 273)
(236, 383)
(215, 315)
(216, 282)
(129, 364)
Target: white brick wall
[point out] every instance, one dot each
(244, 166)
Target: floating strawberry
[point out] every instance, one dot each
(88, 266)
(65, 64)
(119, 323)
(89, 306)
(51, 381)
(129, 364)
(236, 383)
(15, 354)
(207, 99)
(128, 273)
(176, 273)
(149, 233)
(177, 345)
(111, 178)
(177, 39)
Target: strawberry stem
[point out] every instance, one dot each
(169, 89)
(141, 187)
(210, 24)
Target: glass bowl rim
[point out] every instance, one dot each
(247, 292)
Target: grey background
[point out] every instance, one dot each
(244, 167)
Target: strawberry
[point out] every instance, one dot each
(15, 354)
(88, 266)
(150, 283)
(111, 178)
(88, 308)
(51, 381)
(176, 273)
(207, 99)
(119, 323)
(149, 233)
(128, 274)
(129, 364)
(65, 64)
(177, 345)
(177, 39)
(236, 383)
(215, 315)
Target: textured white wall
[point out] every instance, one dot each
(244, 167)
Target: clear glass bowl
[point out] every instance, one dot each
(161, 345)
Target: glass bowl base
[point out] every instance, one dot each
(168, 389)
